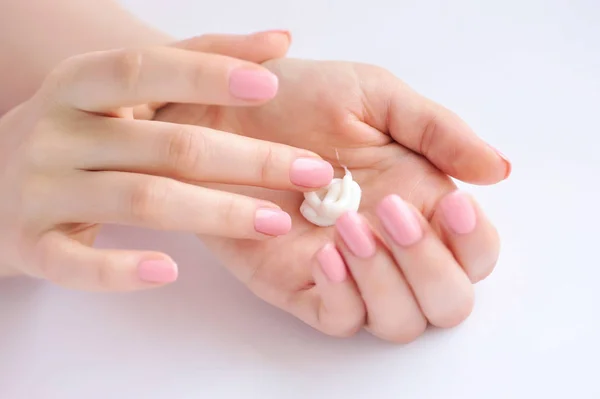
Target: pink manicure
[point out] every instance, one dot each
(332, 264)
(506, 161)
(356, 234)
(459, 213)
(311, 172)
(399, 221)
(252, 84)
(278, 31)
(157, 271)
(272, 222)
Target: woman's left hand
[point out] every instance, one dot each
(417, 246)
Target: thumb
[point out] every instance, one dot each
(444, 139)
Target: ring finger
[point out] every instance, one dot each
(393, 313)
(440, 285)
(162, 203)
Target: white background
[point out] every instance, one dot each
(525, 75)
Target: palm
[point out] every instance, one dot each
(324, 107)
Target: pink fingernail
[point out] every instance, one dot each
(272, 222)
(277, 31)
(157, 271)
(399, 221)
(252, 84)
(356, 234)
(311, 172)
(459, 213)
(332, 264)
(506, 161)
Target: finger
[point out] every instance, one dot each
(468, 233)
(165, 204)
(69, 263)
(257, 47)
(393, 312)
(194, 153)
(429, 129)
(445, 140)
(337, 308)
(441, 287)
(103, 81)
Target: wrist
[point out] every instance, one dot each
(100, 25)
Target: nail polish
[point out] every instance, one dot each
(356, 235)
(399, 221)
(157, 271)
(332, 264)
(458, 212)
(252, 84)
(272, 222)
(311, 172)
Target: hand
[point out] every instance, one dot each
(73, 158)
(411, 255)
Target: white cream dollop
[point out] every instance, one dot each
(325, 206)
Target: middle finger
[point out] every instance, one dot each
(439, 283)
(393, 313)
(194, 153)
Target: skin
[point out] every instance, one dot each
(395, 142)
(120, 169)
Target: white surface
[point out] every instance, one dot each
(525, 74)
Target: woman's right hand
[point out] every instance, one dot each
(73, 157)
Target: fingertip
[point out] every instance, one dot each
(253, 84)
(475, 163)
(272, 222)
(311, 172)
(276, 41)
(505, 160)
(157, 271)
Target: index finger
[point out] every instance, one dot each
(107, 80)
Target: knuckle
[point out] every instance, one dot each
(430, 129)
(146, 199)
(105, 272)
(266, 162)
(185, 150)
(127, 67)
(61, 76)
(46, 266)
(229, 211)
(41, 145)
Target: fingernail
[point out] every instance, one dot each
(277, 31)
(459, 213)
(252, 84)
(311, 172)
(506, 161)
(399, 221)
(356, 234)
(272, 222)
(332, 264)
(157, 271)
